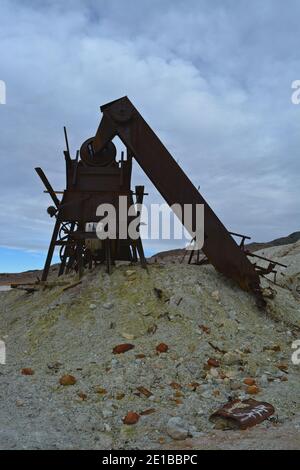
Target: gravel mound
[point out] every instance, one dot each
(213, 336)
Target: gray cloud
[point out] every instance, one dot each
(213, 79)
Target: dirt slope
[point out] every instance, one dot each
(196, 312)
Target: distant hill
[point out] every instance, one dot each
(292, 238)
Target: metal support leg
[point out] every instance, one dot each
(108, 255)
(66, 253)
(80, 259)
(79, 252)
(134, 253)
(191, 257)
(139, 190)
(51, 250)
(140, 250)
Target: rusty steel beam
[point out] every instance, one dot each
(121, 118)
(48, 186)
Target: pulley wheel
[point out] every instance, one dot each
(103, 158)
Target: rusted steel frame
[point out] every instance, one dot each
(205, 260)
(253, 255)
(139, 191)
(268, 270)
(79, 252)
(71, 261)
(137, 245)
(107, 244)
(243, 238)
(67, 152)
(51, 250)
(134, 252)
(75, 169)
(122, 118)
(191, 256)
(66, 253)
(240, 235)
(48, 186)
(72, 202)
(55, 192)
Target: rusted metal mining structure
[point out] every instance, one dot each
(95, 177)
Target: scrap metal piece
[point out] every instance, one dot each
(237, 414)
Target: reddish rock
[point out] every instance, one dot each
(122, 348)
(144, 391)
(193, 385)
(120, 396)
(252, 389)
(82, 396)
(249, 381)
(175, 385)
(131, 418)
(213, 362)
(205, 329)
(101, 391)
(67, 380)
(283, 367)
(140, 356)
(162, 348)
(27, 371)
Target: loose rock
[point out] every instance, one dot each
(67, 380)
(177, 428)
(131, 418)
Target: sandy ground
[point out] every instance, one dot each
(196, 312)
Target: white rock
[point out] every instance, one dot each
(235, 386)
(177, 428)
(216, 295)
(264, 380)
(231, 374)
(128, 336)
(93, 306)
(108, 305)
(214, 372)
(231, 358)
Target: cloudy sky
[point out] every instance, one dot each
(213, 79)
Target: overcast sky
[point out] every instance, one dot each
(212, 78)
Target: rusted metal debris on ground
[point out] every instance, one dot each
(95, 177)
(242, 414)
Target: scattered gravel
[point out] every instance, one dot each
(216, 338)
